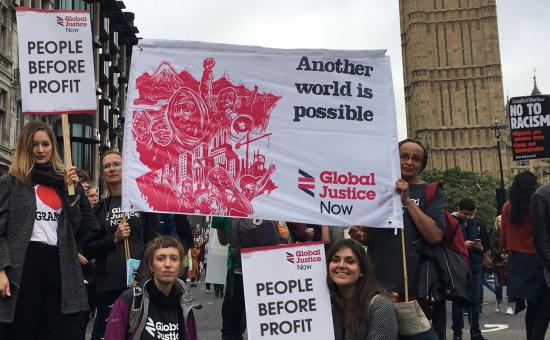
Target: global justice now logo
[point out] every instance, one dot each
(337, 185)
(303, 259)
(72, 23)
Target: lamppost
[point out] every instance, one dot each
(501, 192)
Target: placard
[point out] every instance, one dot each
(529, 121)
(291, 302)
(56, 61)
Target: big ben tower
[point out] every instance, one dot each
(453, 81)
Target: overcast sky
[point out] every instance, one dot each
(524, 29)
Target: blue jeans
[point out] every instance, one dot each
(475, 305)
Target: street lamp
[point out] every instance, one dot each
(501, 192)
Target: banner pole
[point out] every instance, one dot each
(405, 274)
(67, 147)
(126, 245)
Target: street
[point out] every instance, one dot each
(494, 325)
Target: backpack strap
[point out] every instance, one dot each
(451, 238)
(430, 192)
(136, 311)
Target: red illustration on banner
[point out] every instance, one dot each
(199, 141)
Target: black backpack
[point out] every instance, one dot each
(248, 233)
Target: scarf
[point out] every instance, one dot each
(45, 174)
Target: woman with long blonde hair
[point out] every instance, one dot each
(41, 285)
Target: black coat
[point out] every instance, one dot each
(76, 224)
(444, 275)
(110, 255)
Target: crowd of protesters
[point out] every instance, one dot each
(62, 256)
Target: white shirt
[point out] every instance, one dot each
(48, 210)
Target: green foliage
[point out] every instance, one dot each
(458, 184)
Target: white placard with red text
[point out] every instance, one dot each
(56, 61)
(286, 294)
(297, 135)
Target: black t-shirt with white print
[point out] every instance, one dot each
(384, 245)
(115, 275)
(164, 318)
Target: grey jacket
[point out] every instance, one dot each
(17, 217)
(380, 324)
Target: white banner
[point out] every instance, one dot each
(56, 61)
(298, 135)
(291, 302)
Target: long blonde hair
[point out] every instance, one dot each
(22, 161)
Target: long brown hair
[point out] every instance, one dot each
(366, 287)
(22, 161)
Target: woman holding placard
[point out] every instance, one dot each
(113, 253)
(41, 284)
(360, 309)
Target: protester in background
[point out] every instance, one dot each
(41, 285)
(358, 233)
(166, 301)
(300, 232)
(477, 242)
(499, 256)
(195, 270)
(525, 271)
(423, 226)
(84, 178)
(204, 250)
(92, 194)
(360, 309)
(139, 228)
(540, 211)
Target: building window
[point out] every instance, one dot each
(523, 162)
(18, 118)
(73, 4)
(4, 28)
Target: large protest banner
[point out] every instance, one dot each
(529, 121)
(298, 135)
(56, 61)
(291, 302)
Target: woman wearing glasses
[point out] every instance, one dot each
(41, 286)
(109, 252)
(423, 224)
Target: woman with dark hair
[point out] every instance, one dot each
(423, 225)
(525, 273)
(41, 285)
(360, 309)
(164, 301)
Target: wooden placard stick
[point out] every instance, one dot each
(67, 147)
(126, 245)
(405, 274)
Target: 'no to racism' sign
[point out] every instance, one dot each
(56, 61)
(529, 121)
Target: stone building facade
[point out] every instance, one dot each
(453, 82)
